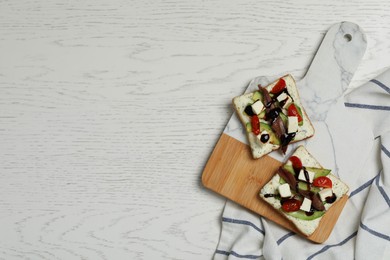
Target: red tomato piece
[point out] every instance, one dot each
(322, 181)
(279, 86)
(291, 205)
(296, 162)
(293, 111)
(255, 125)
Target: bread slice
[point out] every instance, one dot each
(259, 148)
(305, 226)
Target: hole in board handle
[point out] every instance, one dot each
(347, 37)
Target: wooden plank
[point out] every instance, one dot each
(232, 172)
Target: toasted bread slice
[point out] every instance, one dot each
(306, 222)
(258, 147)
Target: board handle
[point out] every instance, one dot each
(332, 68)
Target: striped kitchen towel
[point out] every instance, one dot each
(363, 228)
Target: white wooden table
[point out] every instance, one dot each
(109, 111)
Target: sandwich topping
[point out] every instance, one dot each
(275, 118)
(303, 191)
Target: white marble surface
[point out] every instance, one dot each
(109, 111)
(332, 68)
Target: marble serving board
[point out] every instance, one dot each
(233, 173)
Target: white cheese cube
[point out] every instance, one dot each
(284, 190)
(306, 205)
(325, 193)
(257, 107)
(292, 124)
(284, 97)
(302, 177)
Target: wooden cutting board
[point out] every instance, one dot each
(231, 170)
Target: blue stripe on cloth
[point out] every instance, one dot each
(223, 252)
(382, 191)
(362, 187)
(325, 248)
(243, 222)
(384, 149)
(373, 232)
(280, 240)
(380, 84)
(366, 106)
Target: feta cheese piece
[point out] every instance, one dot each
(284, 98)
(325, 193)
(306, 205)
(257, 107)
(292, 124)
(284, 190)
(302, 177)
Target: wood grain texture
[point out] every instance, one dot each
(109, 111)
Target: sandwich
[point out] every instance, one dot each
(273, 117)
(303, 191)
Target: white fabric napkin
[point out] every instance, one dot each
(363, 228)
